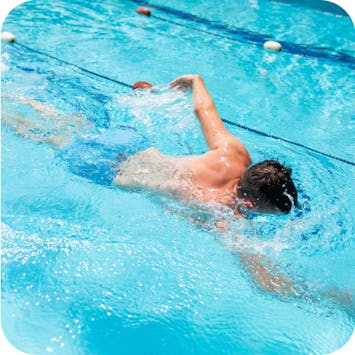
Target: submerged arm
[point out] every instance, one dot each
(270, 278)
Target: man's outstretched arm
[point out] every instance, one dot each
(212, 126)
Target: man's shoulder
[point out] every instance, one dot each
(235, 151)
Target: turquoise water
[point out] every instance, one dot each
(91, 270)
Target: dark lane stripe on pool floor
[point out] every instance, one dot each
(249, 37)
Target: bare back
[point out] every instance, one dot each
(216, 174)
(153, 170)
(208, 178)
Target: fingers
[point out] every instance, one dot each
(178, 82)
(183, 82)
(180, 85)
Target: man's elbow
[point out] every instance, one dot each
(202, 108)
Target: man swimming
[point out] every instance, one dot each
(222, 176)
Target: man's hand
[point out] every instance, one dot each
(184, 82)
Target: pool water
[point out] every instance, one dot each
(88, 269)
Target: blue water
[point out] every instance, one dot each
(88, 269)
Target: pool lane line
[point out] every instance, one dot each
(249, 37)
(73, 65)
(288, 141)
(223, 119)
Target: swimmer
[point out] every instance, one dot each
(222, 176)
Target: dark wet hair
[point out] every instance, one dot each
(269, 182)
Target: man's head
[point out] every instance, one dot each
(267, 187)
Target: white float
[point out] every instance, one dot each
(8, 37)
(272, 46)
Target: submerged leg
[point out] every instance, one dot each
(27, 128)
(53, 127)
(51, 115)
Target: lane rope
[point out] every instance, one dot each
(245, 36)
(87, 71)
